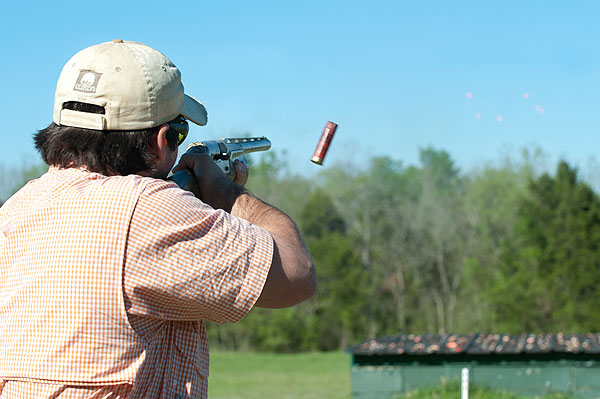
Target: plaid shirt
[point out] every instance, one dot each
(105, 283)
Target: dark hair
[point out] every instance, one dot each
(101, 151)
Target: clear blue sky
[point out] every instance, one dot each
(469, 77)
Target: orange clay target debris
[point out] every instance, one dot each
(323, 145)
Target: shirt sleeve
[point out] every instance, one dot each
(187, 261)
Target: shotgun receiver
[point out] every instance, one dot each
(224, 152)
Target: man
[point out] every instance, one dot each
(107, 270)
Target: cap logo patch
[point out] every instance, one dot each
(87, 81)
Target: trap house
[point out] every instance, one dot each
(526, 364)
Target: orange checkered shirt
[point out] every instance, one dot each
(105, 283)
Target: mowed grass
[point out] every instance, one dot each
(286, 376)
(236, 375)
(452, 390)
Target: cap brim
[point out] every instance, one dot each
(195, 111)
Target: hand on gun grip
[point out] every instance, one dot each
(227, 155)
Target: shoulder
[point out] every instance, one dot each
(163, 198)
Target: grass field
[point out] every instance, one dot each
(309, 376)
(281, 376)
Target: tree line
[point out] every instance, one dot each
(428, 248)
(507, 248)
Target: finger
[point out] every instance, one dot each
(241, 172)
(181, 164)
(178, 167)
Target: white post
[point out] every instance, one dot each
(465, 384)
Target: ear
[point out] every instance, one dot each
(162, 145)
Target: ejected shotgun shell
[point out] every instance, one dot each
(324, 142)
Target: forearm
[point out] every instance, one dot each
(292, 277)
(256, 211)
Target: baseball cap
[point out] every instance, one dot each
(137, 86)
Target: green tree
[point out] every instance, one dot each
(441, 239)
(369, 202)
(490, 200)
(341, 300)
(551, 275)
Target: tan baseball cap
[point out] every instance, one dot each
(137, 86)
